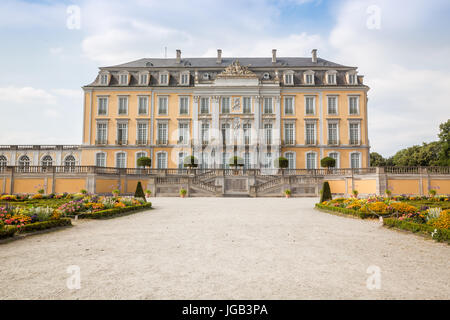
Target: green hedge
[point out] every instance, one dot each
(37, 226)
(7, 232)
(442, 235)
(350, 212)
(108, 213)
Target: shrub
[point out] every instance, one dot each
(37, 196)
(41, 191)
(144, 162)
(378, 207)
(281, 163)
(437, 234)
(83, 191)
(116, 192)
(7, 232)
(108, 213)
(8, 197)
(388, 193)
(183, 192)
(45, 225)
(403, 207)
(236, 161)
(326, 192)
(139, 191)
(287, 192)
(190, 162)
(432, 192)
(355, 193)
(148, 192)
(328, 162)
(443, 221)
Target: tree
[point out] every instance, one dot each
(236, 161)
(281, 163)
(326, 192)
(444, 140)
(328, 162)
(139, 191)
(144, 162)
(190, 162)
(377, 160)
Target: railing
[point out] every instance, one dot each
(39, 147)
(402, 170)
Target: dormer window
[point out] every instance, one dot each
(351, 77)
(143, 79)
(164, 78)
(184, 78)
(289, 78)
(104, 79)
(309, 77)
(123, 79)
(331, 77)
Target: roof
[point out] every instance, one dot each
(212, 63)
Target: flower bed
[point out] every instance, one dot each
(438, 234)
(109, 213)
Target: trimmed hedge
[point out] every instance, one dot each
(350, 212)
(7, 232)
(109, 213)
(441, 235)
(37, 226)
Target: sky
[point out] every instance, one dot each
(50, 49)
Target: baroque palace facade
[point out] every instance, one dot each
(259, 109)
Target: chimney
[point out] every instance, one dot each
(219, 56)
(274, 55)
(314, 55)
(178, 56)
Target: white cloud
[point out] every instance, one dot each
(26, 95)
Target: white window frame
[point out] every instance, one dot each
(358, 98)
(46, 165)
(137, 130)
(288, 78)
(147, 78)
(305, 78)
(222, 104)
(338, 160)
(183, 74)
(188, 105)
(159, 105)
(266, 135)
(166, 159)
(293, 132)
(271, 105)
(336, 122)
(126, 104)
(185, 139)
(294, 155)
(208, 105)
(116, 154)
(104, 83)
(360, 159)
(96, 154)
(126, 132)
(139, 105)
(359, 132)
(333, 74)
(136, 157)
(352, 75)
(314, 105)
(98, 105)
(314, 135)
(315, 160)
(158, 137)
(336, 97)
(96, 130)
(293, 105)
(161, 74)
(121, 75)
(250, 104)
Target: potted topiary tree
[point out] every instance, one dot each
(328, 162)
(83, 191)
(139, 192)
(355, 193)
(287, 193)
(388, 193)
(144, 162)
(148, 194)
(115, 193)
(183, 192)
(236, 162)
(432, 193)
(190, 162)
(326, 192)
(281, 163)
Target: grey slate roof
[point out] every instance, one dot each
(211, 63)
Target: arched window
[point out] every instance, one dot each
(69, 163)
(290, 156)
(161, 158)
(355, 160)
(47, 161)
(121, 160)
(100, 159)
(140, 155)
(311, 161)
(3, 163)
(24, 161)
(335, 156)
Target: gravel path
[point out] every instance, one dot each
(222, 248)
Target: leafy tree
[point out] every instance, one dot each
(377, 160)
(144, 162)
(190, 162)
(328, 162)
(281, 163)
(326, 192)
(236, 161)
(139, 191)
(444, 140)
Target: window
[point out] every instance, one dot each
(204, 105)
(332, 105)
(183, 133)
(289, 105)
(267, 160)
(247, 161)
(164, 79)
(353, 105)
(143, 105)
(143, 79)
(69, 162)
(184, 79)
(289, 133)
(204, 160)
(291, 160)
(309, 78)
(121, 160)
(181, 156)
(247, 105)
(247, 128)
(226, 105)
(268, 133)
(122, 133)
(335, 156)
(332, 133)
(163, 105)
(162, 133)
(310, 105)
(354, 133)
(311, 160)
(142, 129)
(289, 79)
(226, 133)
(102, 128)
(47, 161)
(104, 79)
(225, 164)
(161, 160)
(205, 133)
(352, 78)
(184, 105)
(102, 106)
(123, 105)
(268, 109)
(100, 159)
(331, 79)
(123, 79)
(140, 154)
(24, 161)
(3, 162)
(310, 133)
(355, 159)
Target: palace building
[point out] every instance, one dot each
(258, 109)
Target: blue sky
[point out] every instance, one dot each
(44, 63)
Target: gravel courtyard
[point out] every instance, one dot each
(223, 248)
